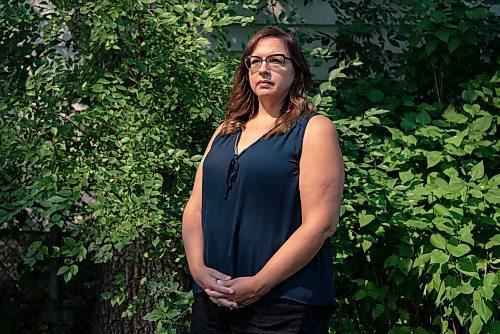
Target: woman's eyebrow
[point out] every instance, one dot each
(270, 54)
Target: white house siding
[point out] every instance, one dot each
(316, 16)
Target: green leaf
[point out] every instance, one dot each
(465, 289)
(477, 171)
(482, 309)
(433, 158)
(431, 46)
(396, 134)
(482, 123)
(423, 118)
(365, 219)
(440, 210)
(453, 44)
(424, 24)
(438, 256)
(493, 327)
(476, 325)
(142, 67)
(416, 224)
(457, 139)
(496, 77)
(196, 157)
(325, 86)
(438, 241)
(451, 115)
(73, 269)
(378, 311)
(97, 88)
(406, 176)
(56, 199)
(62, 270)
(336, 73)
(438, 16)
(467, 266)
(360, 294)
(472, 109)
(376, 111)
(463, 26)
(494, 241)
(405, 265)
(493, 196)
(366, 244)
(375, 95)
(465, 234)
(479, 13)
(178, 8)
(391, 261)
(469, 95)
(490, 282)
(316, 100)
(458, 251)
(103, 81)
(442, 34)
(106, 295)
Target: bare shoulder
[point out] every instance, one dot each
(320, 129)
(320, 146)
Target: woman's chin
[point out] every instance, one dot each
(267, 94)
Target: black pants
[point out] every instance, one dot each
(265, 316)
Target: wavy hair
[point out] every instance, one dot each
(243, 103)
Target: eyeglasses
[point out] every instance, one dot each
(273, 62)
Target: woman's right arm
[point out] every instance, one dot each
(192, 236)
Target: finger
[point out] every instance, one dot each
(215, 301)
(219, 287)
(229, 282)
(218, 274)
(224, 284)
(227, 303)
(215, 294)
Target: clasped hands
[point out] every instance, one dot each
(226, 291)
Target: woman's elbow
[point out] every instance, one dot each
(330, 229)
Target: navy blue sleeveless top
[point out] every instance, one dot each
(251, 206)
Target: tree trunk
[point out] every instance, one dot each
(107, 318)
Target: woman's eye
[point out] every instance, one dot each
(276, 61)
(255, 62)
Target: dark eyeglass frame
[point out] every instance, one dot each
(248, 64)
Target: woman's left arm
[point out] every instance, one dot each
(321, 183)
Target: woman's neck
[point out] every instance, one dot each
(269, 108)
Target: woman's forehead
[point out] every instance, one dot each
(268, 46)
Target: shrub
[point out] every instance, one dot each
(417, 248)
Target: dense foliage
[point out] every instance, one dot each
(106, 108)
(100, 145)
(417, 246)
(418, 241)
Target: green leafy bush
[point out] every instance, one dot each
(101, 132)
(102, 128)
(417, 248)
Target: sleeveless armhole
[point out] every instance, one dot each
(216, 139)
(303, 125)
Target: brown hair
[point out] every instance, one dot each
(243, 102)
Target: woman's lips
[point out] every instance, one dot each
(264, 84)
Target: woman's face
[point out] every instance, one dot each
(271, 82)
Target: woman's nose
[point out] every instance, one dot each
(263, 67)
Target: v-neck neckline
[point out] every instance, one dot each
(237, 141)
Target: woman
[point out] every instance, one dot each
(255, 229)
